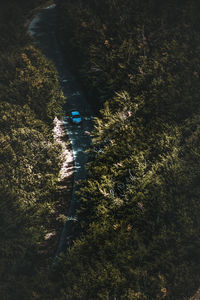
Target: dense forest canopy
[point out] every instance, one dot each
(29, 157)
(139, 63)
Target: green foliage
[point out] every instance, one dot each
(29, 156)
(139, 60)
(35, 83)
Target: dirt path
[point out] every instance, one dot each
(42, 29)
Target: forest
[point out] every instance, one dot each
(29, 157)
(139, 65)
(139, 218)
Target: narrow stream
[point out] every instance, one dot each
(42, 29)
